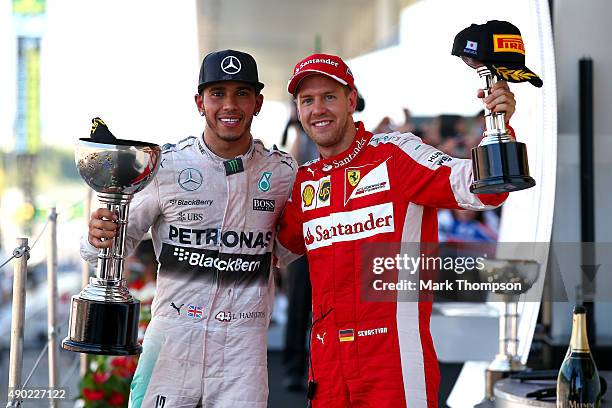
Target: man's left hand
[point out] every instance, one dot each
(500, 99)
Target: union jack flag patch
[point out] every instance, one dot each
(195, 311)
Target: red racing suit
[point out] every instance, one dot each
(383, 188)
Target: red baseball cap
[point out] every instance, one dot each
(325, 64)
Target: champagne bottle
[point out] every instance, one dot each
(578, 383)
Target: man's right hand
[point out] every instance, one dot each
(101, 226)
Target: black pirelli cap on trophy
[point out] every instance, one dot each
(99, 132)
(229, 65)
(499, 46)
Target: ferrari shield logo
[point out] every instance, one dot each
(353, 177)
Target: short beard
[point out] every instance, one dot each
(332, 141)
(328, 142)
(229, 138)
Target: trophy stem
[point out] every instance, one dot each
(109, 285)
(512, 311)
(507, 360)
(111, 260)
(503, 335)
(119, 242)
(496, 131)
(508, 333)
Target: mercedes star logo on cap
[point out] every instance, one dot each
(190, 179)
(231, 65)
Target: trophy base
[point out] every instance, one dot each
(100, 349)
(499, 185)
(103, 328)
(492, 376)
(500, 168)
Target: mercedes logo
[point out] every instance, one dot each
(231, 65)
(190, 179)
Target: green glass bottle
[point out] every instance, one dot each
(578, 383)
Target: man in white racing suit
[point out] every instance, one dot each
(212, 210)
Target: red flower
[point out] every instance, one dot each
(124, 366)
(92, 395)
(116, 399)
(101, 378)
(137, 284)
(119, 361)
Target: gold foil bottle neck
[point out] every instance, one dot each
(579, 341)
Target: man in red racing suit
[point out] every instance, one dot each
(364, 189)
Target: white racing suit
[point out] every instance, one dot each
(213, 228)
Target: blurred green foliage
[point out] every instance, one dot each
(52, 166)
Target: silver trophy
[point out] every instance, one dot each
(496, 50)
(499, 162)
(526, 273)
(104, 316)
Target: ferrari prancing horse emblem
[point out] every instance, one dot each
(353, 177)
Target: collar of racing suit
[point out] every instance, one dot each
(218, 160)
(362, 138)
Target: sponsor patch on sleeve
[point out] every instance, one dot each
(316, 193)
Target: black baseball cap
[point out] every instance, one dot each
(499, 46)
(100, 133)
(229, 65)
